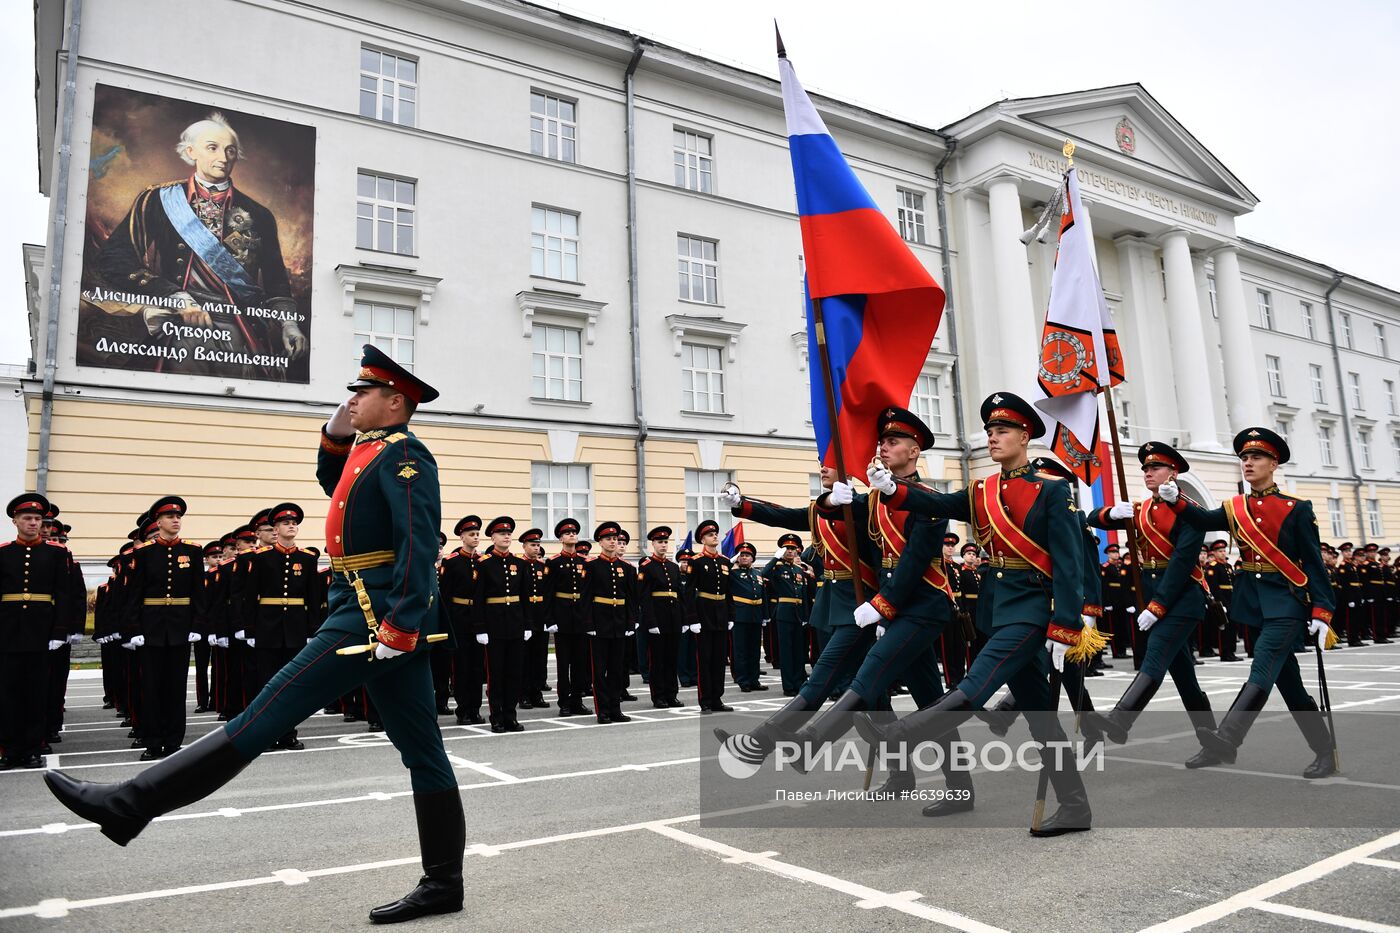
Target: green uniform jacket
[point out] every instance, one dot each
(745, 583)
(785, 582)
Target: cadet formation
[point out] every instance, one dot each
(867, 596)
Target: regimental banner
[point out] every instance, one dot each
(197, 256)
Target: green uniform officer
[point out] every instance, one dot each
(752, 610)
(787, 593)
(381, 535)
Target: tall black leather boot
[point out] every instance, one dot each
(1072, 813)
(1202, 717)
(924, 725)
(1225, 742)
(958, 784)
(1000, 717)
(442, 838)
(1116, 723)
(1310, 723)
(826, 727)
(122, 810)
(754, 747)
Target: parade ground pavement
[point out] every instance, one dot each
(574, 826)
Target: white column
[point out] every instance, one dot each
(1242, 397)
(1188, 344)
(1018, 325)
(1142, 334)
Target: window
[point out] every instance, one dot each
(554, 244)
(1346, 329)
(558, 363)
(1390, 407)
(927, 401)
(698, 264)
(1309, 323)
(388, 327)
(559, 491)
(1373, 518)
(1125, 419)
(702, 378)
(388, 87)
(1266, 309)
(1319, 395)
(1335, 516)
(1210, 291)
(702, 499)
(1354, 380)
(384, 211)
(553, 127)
(1271, 366)
(1363, 447)
(1281, 426)
(911, 215)
(1381, 347)
(694, 161)
(1324, 445)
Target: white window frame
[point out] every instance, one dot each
(1336, 518)
(1390, 400)
(391, 98)
(1374, 521)
(556, 362)
(702, 381)
(1305, 309)
(555, 494)
(702, 500)
(389, 216)
(693, 160)
(1382, 345)
(1354, 383)
(1363, 447)
(551, 239)
(929, 405)
(1273, 368)
(1324, 446)
(910, 214)
(697, 269)
(1345, 323)
(552, 135)
(1211, 293)
(1319, 385)
(1264, 299)
(397, 339)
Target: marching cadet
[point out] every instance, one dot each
(1174, 586)
(1282, 592)
(205, 668)
(714, 614)
(164, 615)
(501, 621)
(564, 594)
(35, 595)
(953, 641)
(1031, 599)
(751, 612)
(609, 598)
(457, 582)
(1220, 580)
(663, 615)
(279, 598)
(685, 656)
(787, 596)
(535, 677)
(1117, 587)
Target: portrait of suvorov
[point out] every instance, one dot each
(192, 280)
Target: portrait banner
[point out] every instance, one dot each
(197, 247)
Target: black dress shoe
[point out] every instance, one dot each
(201, 709)
(514, 726)
(744, 688)
(295, 745)
(33, 761)
(137, 743)
(661, 706)
(375, 726)
(331, 710)
(620, 717)
(760, 686)
(151, 754)
(1227, 658)
(444, 711)
(6, 764)
(131, 734)
(627, 697)
(566, 711)
(442, 836)
(1202, 759)
(497, 728)
(349, 717)
(674, 703)
(469, 719)
(721, 708)
(581, 709)
(705, 711)
(947, 807)
(429, 898)
(46, 749)
(108, 704)
(604, 719)
(125, 723)
(223, 717)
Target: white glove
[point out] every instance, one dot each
(778, 554)
(653, 631)
(479, 637)
(1057, 653)
(1168, 491)
(1351, 605)
(310, 640)
(880, 478)
(240, 635)
(765, 621)
(731, 625)
(551, 629)
(1146, 620)
(879, 632)
(194, 637)
(251, 642)
(695, 629)
(383, 652)
(223, 642)
(630, 632)
(1089, 621)
(129, 646)
(1318, 628)
(1131, 610)
(138, 641)
(75, 639)
(730, 497)
(528, 633)
(841, 494)
(339, 423)
(483, 638)
(866, 614)
(1121, 510)
(213, 640)
(55, 644)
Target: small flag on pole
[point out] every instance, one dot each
(730, 545)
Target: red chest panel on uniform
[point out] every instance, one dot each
(1266, 515)
(1018, 495)
(1155, 522)
(360, 457)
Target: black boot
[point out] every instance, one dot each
(829, 725)
(442, 838)
(754, 747)
(898, 781)
(1201, 718)
(1072, 815)
(1120, 719)
(1224, 742)
(1324, 763)
(925, 725)
(958, 784)
(1000, 717)
(123, 810)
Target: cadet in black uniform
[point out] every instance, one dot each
(205, 666)
(714, 611)
(1220, 580)
(661, 600)
(1116, 583)
(952, 643)
(500, 617)
(610, 614)
(535, 677)
(457, 582)
(564, 596)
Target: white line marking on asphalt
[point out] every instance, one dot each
(1317, 916)
(1337, 781)
(483, 767)
(1380, 863)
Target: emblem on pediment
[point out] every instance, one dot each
(1126, 136)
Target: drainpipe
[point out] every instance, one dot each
(1337, 279)
(633, 290)
(964, 448)
(56, 245)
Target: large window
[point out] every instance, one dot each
(1266, 309)
(911, 215)
(693, 156)
(702, 499)
(1275, 373)
(697, 261)
(1211, 292)
(1354, 381)
(702, 378)
(1345, 320)
(553, 127)
(554, 244)
(1373, 518)
(1309, 322)
(557, 371)
(388, 327)
(1324, 445)
(384, 213)
(559, 491)
(1381, 346)
(1390, 404)
(927, 400)
(1319, 393)
(388, 87)
(1336, 518)
(1363, 448)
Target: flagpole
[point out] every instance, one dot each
(847, 513)
(1133, 568)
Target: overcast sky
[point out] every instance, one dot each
(1300, 100)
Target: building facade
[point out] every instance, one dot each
(588, 242)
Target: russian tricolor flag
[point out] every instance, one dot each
(880, 306)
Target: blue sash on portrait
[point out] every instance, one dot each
(205, 245)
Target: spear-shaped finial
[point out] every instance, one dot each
(782, 51)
